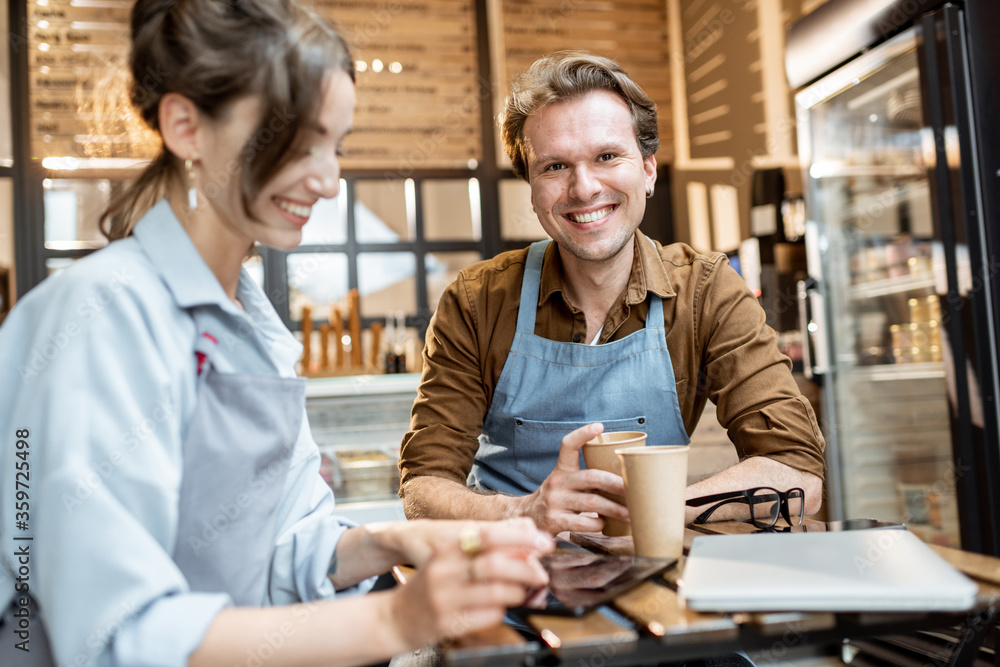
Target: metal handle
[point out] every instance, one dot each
(803, 299)
(810, 314)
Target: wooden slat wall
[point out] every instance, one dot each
(424, 116)
(723, 77)
(729, 127)
(427, 115)
(633, 32)
(722, 70)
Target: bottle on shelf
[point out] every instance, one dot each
(395, 348)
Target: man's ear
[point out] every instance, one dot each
(180, 122)
(649, 167)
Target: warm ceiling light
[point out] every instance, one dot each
(60, 163)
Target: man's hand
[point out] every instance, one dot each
(567, 498)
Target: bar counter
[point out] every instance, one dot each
(649, 624)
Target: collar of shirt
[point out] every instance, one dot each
(169, 248)
(648, 273)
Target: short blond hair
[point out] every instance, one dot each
(564, 75)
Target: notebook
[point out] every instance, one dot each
(860, 570)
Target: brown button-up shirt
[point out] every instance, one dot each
(720, 348)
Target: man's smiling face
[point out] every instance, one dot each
(587, 175)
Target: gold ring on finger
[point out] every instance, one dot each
(470, 541)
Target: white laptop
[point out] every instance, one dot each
(859, 570)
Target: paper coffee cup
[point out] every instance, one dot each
(655, 483)
(599, 454)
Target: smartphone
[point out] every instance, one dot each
(848, 524)
(580, 581)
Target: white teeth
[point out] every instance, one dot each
(593, 216)
(294, 209)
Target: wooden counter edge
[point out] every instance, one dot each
(977, 566)
(661, 612)
(569, 635)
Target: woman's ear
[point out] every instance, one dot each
(180, 122)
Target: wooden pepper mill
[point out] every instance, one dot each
(306, 339)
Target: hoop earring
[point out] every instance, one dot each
(649, 193)
(192, 185)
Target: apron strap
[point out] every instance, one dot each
(532, 281)
(530, 284)
(654, 318)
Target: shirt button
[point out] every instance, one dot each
(577, 338)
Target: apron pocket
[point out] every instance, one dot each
(536, 443)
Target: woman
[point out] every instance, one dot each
(159, 481)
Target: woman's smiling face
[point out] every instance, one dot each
(284, 204)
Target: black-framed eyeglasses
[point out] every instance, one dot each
(766, 505)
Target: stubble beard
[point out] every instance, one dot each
(598, 252)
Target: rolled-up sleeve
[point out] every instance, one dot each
(748, 378)
(453, 397)
(142, 640)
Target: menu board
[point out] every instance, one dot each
(633, 33)
(418, 82)
(77, 87)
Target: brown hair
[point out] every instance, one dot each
(214, 52)
(564, 75)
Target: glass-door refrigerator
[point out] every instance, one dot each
(899, 313)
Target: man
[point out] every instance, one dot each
(602, 325)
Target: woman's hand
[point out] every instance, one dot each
(462, 585)
(455, 592)
(374, 548)
(415, 541)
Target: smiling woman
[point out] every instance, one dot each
(251, 128)
(177, 513)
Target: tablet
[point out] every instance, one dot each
(580, 581)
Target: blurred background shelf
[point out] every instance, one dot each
(358, 423)
(889, 286)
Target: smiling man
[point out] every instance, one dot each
(528, 350)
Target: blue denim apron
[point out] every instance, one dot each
(548, 388)
(237, 452)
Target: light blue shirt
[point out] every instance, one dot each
(98, 367)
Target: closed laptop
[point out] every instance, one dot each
(861, 570)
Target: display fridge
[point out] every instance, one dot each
(896, 111)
